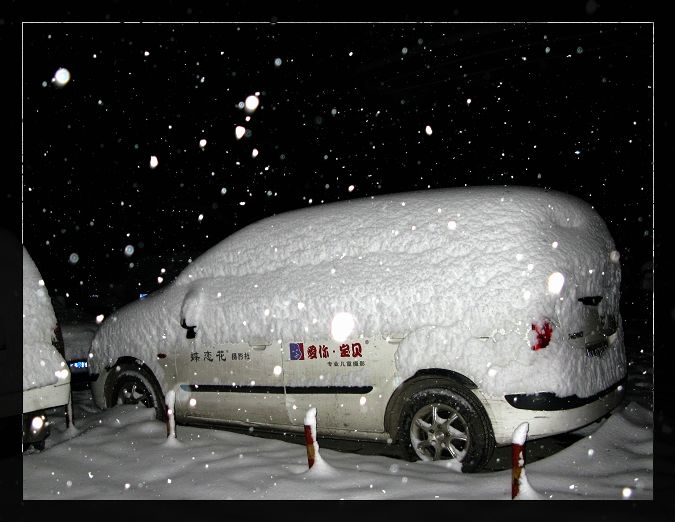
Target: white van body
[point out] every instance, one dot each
(46, 377)
(511, 293)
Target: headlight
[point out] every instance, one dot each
(37, 423)
(62, 374)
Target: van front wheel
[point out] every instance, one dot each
(447, 423)
(133, 385)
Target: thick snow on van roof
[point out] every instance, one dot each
(466, 270)
(41, 361)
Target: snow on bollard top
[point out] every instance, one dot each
(310, 420)
(520, 434)
(310, 417)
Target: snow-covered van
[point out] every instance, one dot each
(439, 320)
(46, 377)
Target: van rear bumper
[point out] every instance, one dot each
(546, 414)
(548, 401)
(48, 396)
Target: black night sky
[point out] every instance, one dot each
(563, 106)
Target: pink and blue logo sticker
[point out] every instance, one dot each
(297, 351)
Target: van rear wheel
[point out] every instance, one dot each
(134, 385)
(447, 423)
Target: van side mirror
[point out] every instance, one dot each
(191, 334)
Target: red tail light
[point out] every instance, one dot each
(544, 330)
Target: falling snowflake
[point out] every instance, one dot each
(251, 103)
(61, 77)
(555, 282)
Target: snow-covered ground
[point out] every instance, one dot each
(123, 453)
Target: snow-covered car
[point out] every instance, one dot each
(77, 330)
(438, 320)
(77, 337)
(46, 377)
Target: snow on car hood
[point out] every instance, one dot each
(42, 364)
(451, 266)
(141, 329)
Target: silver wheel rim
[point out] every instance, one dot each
(439, 432)
(134, 393)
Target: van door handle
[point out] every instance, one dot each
(259, 343)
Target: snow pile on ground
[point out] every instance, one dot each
(41, 362)
(122, 453)
(525, 490)
(449, 265)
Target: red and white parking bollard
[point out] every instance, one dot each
(310, 437)
(518, 457)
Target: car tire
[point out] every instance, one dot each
(134, 385)
(445, 423)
